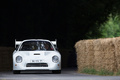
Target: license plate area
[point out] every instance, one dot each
(36, 61)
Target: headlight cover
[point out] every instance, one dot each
(55, 59)
(18, 59)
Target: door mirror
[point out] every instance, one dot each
(55, 47)
(16, 48)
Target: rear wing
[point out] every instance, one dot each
(55, 43)
(17, 43)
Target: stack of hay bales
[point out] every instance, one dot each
(89, 54)
(99, 54)
(85, 57)
(81, 52)
(117, 52)
(104, 54)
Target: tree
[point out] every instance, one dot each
(111, 28)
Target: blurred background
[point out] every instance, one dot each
(68, 21)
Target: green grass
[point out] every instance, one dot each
(105, 72)
(89, 71)
(101, 72)
(118, 73)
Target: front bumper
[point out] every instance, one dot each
(37, 66)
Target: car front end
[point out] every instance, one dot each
(36, 60)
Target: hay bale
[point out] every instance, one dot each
(117, 52)
(89, 54)
(97, 45)
(80, 52)
(99, 54)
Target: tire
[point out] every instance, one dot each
(56, 71)
(16, 72)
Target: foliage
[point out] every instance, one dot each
(89, 71)
(118, 73)
(111, 28)
(105, 72)
(95, 72)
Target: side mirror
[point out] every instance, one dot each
(55, 47)
(16, 48)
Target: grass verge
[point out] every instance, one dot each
(118, 73)
(89, 71)
(101, 72)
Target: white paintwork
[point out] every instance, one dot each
(54, 42)
(17, 42)
(28, 56)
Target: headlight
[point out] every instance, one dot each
(18, 59)
(55, 59)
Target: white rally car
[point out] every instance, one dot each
(36, 54)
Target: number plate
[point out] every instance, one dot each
(36, 61)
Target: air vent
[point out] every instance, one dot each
(37, 65)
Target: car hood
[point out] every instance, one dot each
(36, 53)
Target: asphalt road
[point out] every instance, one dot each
(67, 74)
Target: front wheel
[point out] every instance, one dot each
(56, 71)
(16, 72)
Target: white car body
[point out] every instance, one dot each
(36, 59)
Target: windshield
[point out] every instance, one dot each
(36, 45)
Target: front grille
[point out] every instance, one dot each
(37, 65)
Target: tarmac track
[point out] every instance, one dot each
(66, 74)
